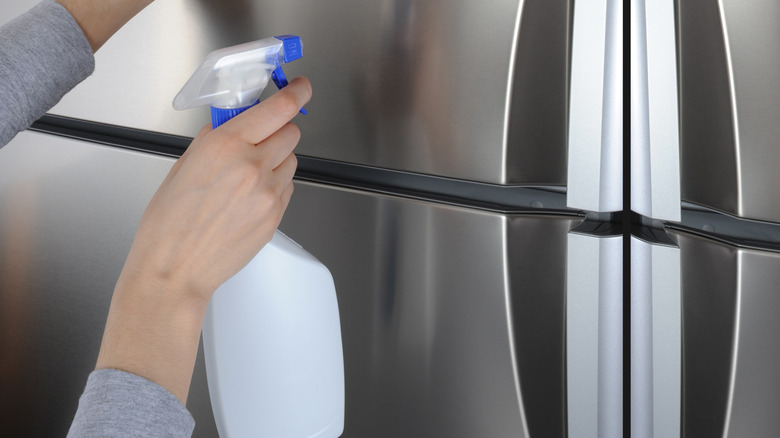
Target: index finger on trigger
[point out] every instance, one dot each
(259, 122)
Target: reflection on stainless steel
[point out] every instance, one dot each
(423, 298)
(655, 176)
(656, 339)
(595, 145)
(730, 330)
(536, 148)
(730, 104)
(709, 281)
(594, 336)
(68, 213)
(667, 340)
(412, 85)
(452, 318)
(756, 385)
(537, 250)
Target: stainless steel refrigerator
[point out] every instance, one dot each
(459, 173)
(706, 254)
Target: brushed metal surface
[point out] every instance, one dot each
(730, 94)
(582, 340)
(452, 318)
(462, 89)
(656, 340)
(667, 341)
(447, 330)
(641, 199)
(731, 355)
(709, 282)
(594, 336)
(610, 331)
(68, 213)
(536, 255)
(641, 339)
(595, 135)
(755, 393)
(655, 130)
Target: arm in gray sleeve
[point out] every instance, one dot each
(43, 55)
(120, 404)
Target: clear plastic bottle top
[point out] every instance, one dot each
(234, 77)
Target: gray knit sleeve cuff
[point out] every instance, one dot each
(120, 404)
(43, 55)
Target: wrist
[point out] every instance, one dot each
(153, 331)
(157, 270)
(164, 292)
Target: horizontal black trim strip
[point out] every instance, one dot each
(110, 135)
(502, 199)
(709, 224)
(758, 245)
(728, 229)
(490, 197)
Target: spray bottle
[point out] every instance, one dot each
(271, 336)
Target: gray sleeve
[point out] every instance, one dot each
(120, 404)
(43, 55)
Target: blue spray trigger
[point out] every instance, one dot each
(279, 78)
(281, 81)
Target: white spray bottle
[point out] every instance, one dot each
(271, 336)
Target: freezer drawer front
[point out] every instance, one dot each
(729, 53)
(730, 329)
(416, 85)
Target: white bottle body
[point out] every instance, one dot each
(272, 342)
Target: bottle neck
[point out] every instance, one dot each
(222, 115)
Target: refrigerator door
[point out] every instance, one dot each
(595, 136)
(594, 336)
(453, 319)
(730, 104)
(656, 337)
(415, 85)
(730, 352)
(655, 132)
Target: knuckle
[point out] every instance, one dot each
(222, 139)
(293, 129)
(293, 161)
(294, 132)
(268, 200)
(248, 174)
(287, 193)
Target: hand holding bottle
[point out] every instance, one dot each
(218, 206)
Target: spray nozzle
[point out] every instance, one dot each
(232, 79)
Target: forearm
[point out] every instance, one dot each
(153, 331)
(99, 19)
